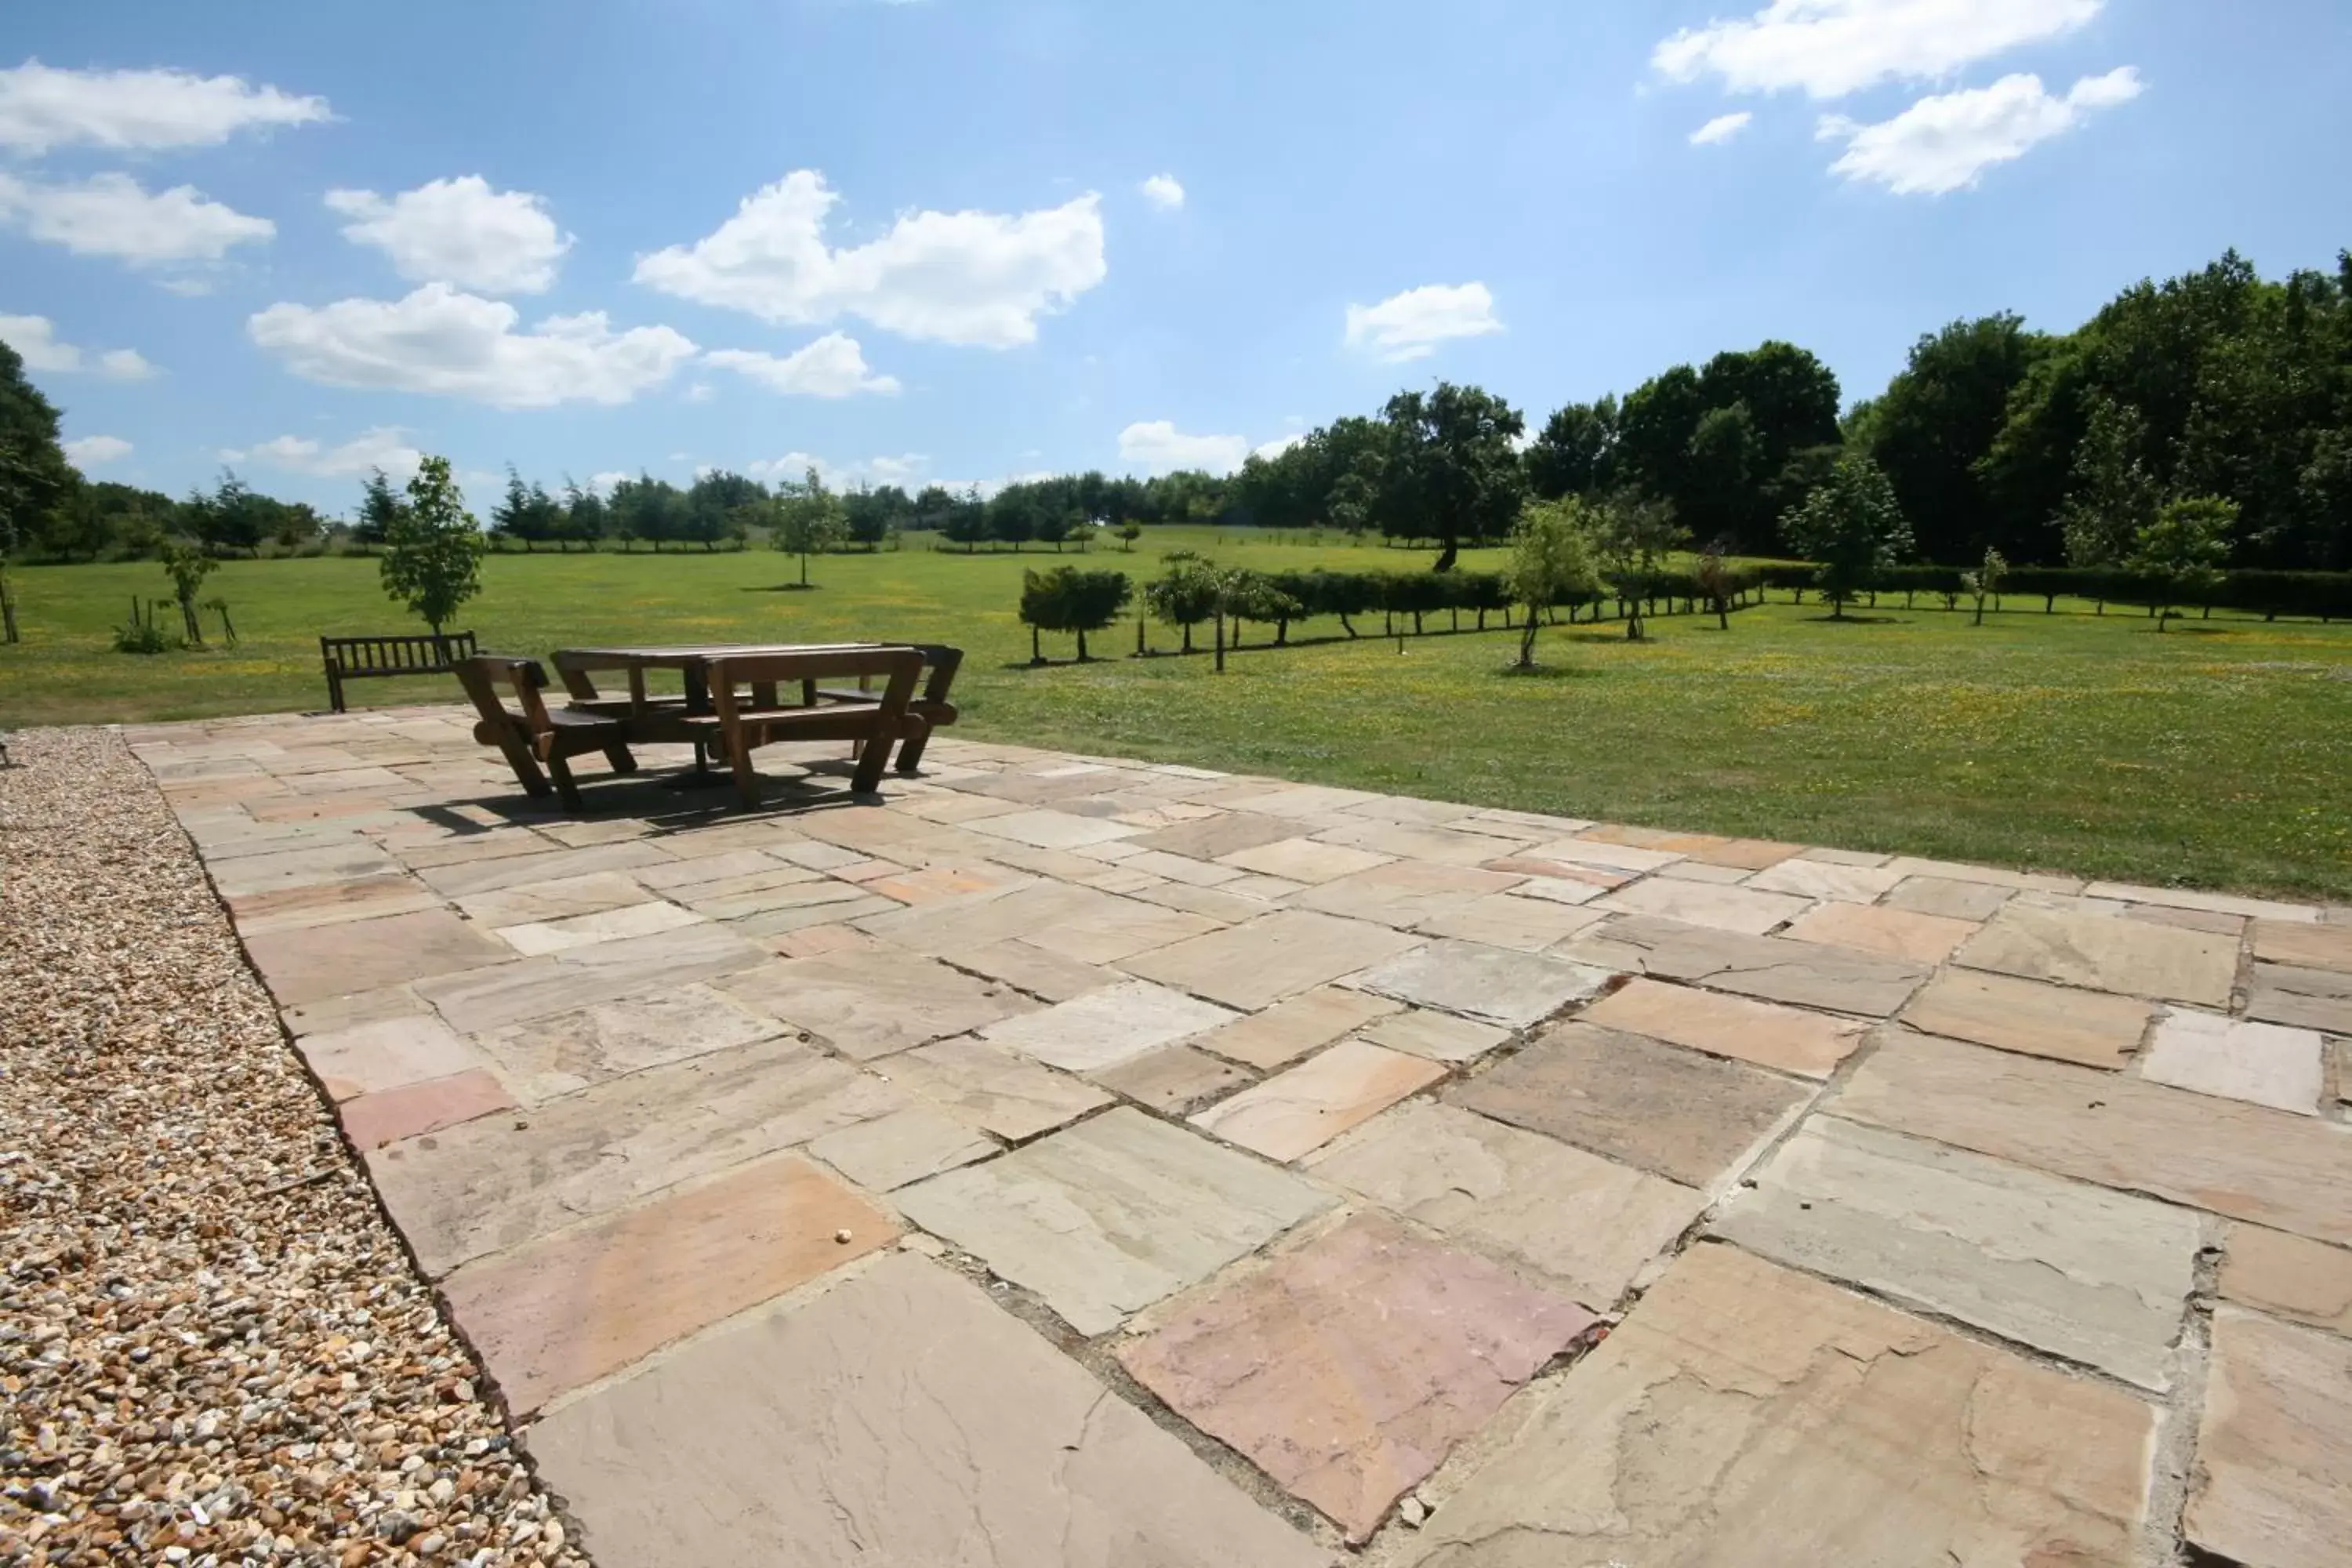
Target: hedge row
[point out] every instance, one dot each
(1346, 594)
(2326, 595)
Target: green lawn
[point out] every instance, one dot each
(2217, 754)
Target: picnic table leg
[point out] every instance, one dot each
(624, 761)
(944, 662)
(525, 766)
(564, 786)
(747, 783)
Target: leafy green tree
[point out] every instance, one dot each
(1452, 468)
(1185, 595)
(1091, 601)
(1719, 478)
(2114, 497)
(1984, 582)
(231, 517)
(380, 507)
(187, 564)
(28, 431)
(1937, 420)
(1551, 563)
(1246, 596)
(808, 519)
(1635, 534)
(1715, 579)
(1576, 452)
(584, 517)
(433, 549)
(1129, 532)
(965, 521)
(2184, 549)
(514, 517)
(1851, 528)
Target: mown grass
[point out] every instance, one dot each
(2217, 754)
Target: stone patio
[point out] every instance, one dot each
(1066, 1161)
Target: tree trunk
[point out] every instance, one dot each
(1082, 645)
(1722, 616)
(1446, 557)
(1346, 626)
(803, 568)
(1220, 642)
(1036, 654)
(1188, 636)
(1138, 637)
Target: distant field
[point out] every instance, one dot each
(2217, 754)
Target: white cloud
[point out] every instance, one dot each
(833, 366)
(1833, 47)
(91, 450)
(1163, 192)
(905, 470)
(42, 108)
(700, 392)
(385, 447)
(1279, 446)
(973, 278)
(602, 483)
(112, 215)
(1411, 325)
(1722, 128)
(459, 231)
(1157, 447)
(439, 340)
(1946, 142)
(35, 339)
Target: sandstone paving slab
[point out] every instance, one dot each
(1115, 928)
(1580, 850)
(530, 988)
(1172, 1078)
(1747, 1413)
(1788, 1038)
(1406, 892)
(360, 955)
(2027, 1016)
(550, 865)
(1278, 955)
(366, 1058)
(1422, 845)
(2315, 998)
(2193, 898)
(2096, 1277)
(2290, 1173)
(1989, 876)
(1875, 927)
(1690, 1118)
(2263, 1064)
(1697, 903)
(1507, 919)
(2274, 1444)
(559, 1312)
(343, 858)
(1440, 1036)
(1807, 877)
(535, 937)
(496, 1181)
(1303, 860)
(1772, 968)
(1048, 829)
(870, 1005)
(1949, 898)
(901, 1418)
(553, 1056)
(1028, 967)
(1306, 1106)
(388, 1115)
(1102, 1029)
(1288, 1030)
(1349, 1367)
(1178, 867)
(2288, 1276)
(1556, 880)
(941, 926)
(330, 903)
(2105, 953)
(995, 1087)
(905, 1146)
(2304, 945)
(790, 892)
(559, 900)
(1104, 1218)
(1494, 983)
(1225, 909)
(1213, 837)
(698, 869)
(1588, 1223)
(1702, 872)
(332, 1014)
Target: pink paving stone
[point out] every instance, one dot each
(372, 1121)
(1349, 1368)
(1314, 1102)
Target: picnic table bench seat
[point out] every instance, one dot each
(359, 658)
(531, 733)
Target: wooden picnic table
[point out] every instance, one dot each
(689, 717)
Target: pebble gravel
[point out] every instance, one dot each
(213, 1349)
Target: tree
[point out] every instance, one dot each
(1246, 596)
(965, 523)
(1066, 599)
(584, 516)
(1714, 580)
(1937, 420)
(1551, 563)
(808, 519)
(1185, 595)
(514, 517)
(29, 433)
(380, 507)
(1452, 468)
(231, 517)
(2114, 498)
(2183, 550)
(1129, 532)
(1635, 534)
(1576, 454)
(1851, 528)
(187, 564)
(1984, 582)
(432, 549)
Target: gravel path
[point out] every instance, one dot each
(211, 1347)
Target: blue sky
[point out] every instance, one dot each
(320, 237)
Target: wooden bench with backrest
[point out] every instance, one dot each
(930, 705)
(357, 658)
(875, 723)
(531, 734)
